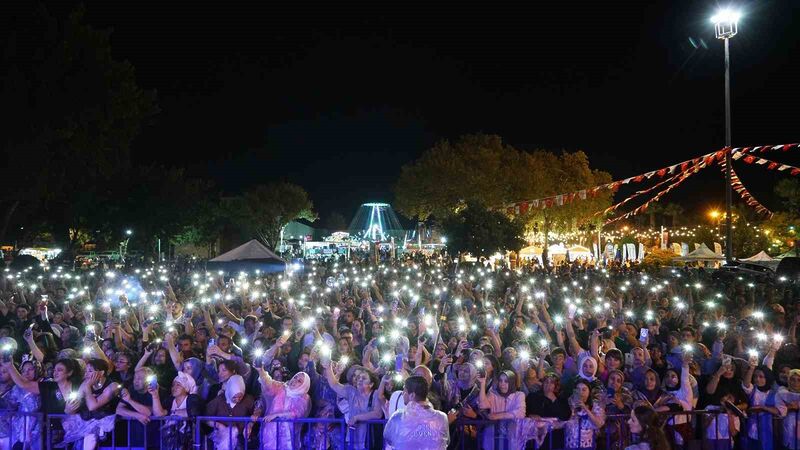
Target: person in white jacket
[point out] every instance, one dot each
(678, 382)
(417, 425)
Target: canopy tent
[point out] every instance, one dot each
(761, 256)
(250, 256)
(531, 252)
(579, 252)
(556, 249)
(702, 254)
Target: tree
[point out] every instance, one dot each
(71, 112)
(674, 211)
(788, 190)
(477, 169)
(482, 232)
(208, 219)
(335, 222)
(264, 210)
(481, 170)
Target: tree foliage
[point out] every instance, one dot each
(482, 232)
(71, 112)
(482, 170)
(264, 210)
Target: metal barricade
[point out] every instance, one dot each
(708, 428)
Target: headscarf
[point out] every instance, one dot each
(677, 387)
(769, 377)
(196, 369)
(476, 355)
(473, 376)
(512, 383)
(793, 372)
(187, 382)
(590, 377)
(234, 386)
(302, 389)
(651, 395)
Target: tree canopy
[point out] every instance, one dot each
(482, 232)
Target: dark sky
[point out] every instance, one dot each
(337, 96)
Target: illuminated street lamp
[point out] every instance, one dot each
(726, 25)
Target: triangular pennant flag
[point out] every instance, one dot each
(772, 166)
(761, 161)
(749, 159)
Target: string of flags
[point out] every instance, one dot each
(738, 186)
(678, 173)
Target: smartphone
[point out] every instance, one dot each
(629, 359)
(727, 360)
(571, 310)
(152, 382)
(398, 362)
(643, 334)
(212, 342)
(604, 329)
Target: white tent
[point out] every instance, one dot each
(531, 252)
(701, 254)
(251, 255)
(760, 257)
(578, 251)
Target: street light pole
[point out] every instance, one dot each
(726, 24)
(728, 187)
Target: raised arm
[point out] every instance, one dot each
(19, 380)
(37, 353)
(339, 388)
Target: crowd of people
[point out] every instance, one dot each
(446, 353)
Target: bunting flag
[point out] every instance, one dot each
(772, 165)
(682, 177)
(738, 186)
(568, 197)
(677, 174)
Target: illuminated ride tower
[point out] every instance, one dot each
(375, 222)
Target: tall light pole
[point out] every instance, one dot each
(726, 25)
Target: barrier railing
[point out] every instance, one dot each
(710, 428)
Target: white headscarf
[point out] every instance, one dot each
(300, 390)
(234, 386)
(188, 383)
(590, 377)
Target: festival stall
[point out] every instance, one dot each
(702, 255)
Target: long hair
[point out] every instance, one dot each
(652, 428)
(72, 365)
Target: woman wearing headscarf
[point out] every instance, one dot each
(235, 403)
(185, 403)
(587, 371)
(587, 417)
(650, 390)
(504, 403)
(463, 391)
(290, 400)
(764, 403)
(195, 368)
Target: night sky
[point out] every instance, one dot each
(337, 96)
